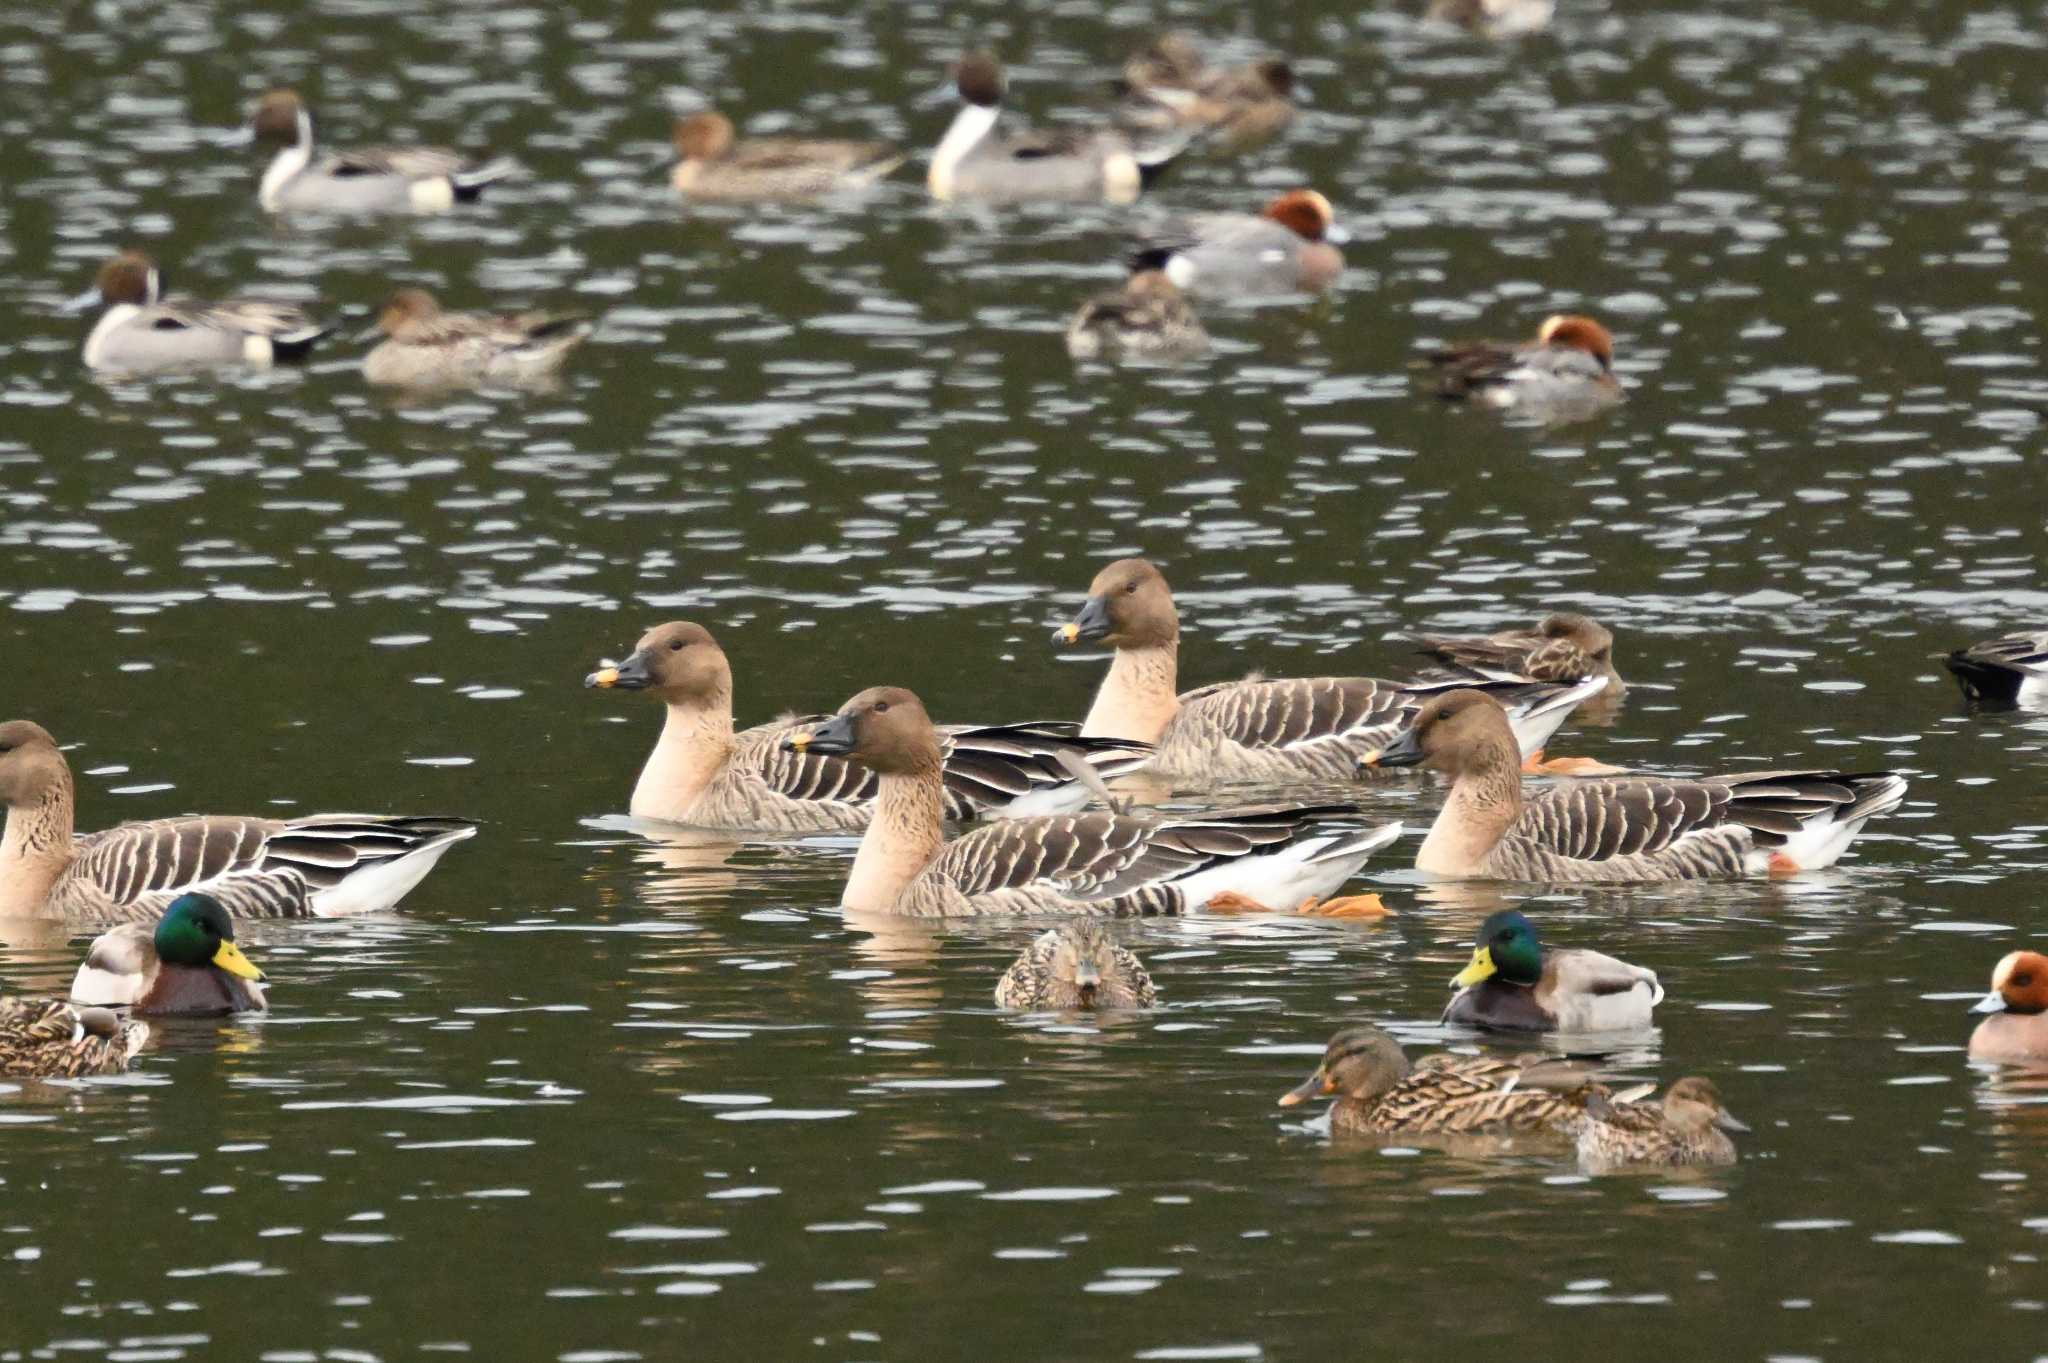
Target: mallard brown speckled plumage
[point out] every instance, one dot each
(1075, 965)
(319, 865)
(1624, 828)
(50, 1039)
(1115, 865)
(1690, 1126)
(1379, 1092)
(1299, 728)
(704, 774)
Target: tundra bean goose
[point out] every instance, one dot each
(50, 1039)
(1624, 828)
(1277, 856)
(184, 963)
(1562, 646)
(1380, 1093)
(703, 773)
(1690, 1126)
(2009, 670)
(1302, 728)
(1075, 965)
(1515, 984)
(321, 864)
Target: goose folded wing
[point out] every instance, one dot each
(165, 857)
(1598, 820)
(1301, 710)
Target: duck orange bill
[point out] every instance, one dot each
(1315, 1086)
(229, 957)
(1481, 968)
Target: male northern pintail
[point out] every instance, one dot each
(1073, 164)
(716, 164)
(362, 180)
(424, 347)
(1565, 374)
(1168, 85)
(1289, 247)
(1146, 319)
(142, 331)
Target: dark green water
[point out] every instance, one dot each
(594, 1095)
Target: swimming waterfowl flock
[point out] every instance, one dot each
(1479, 713)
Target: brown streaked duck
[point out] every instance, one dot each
(2009, 670)
(1690, 1126)
(1624, 828)
(1116, 865)
(1146, 319)
(1515, 984)
(1287, 248)
(424, 347)
(1562, 646)
(316, 865)
(703, 773)
(364, 180)
(1256, 729)
(50, 1039)
(142, 331)
(1566, 374)
(715, 163)
(1380, 1093)
(1064, 165)
(1075, 965)
(186, 963)
(2016, 1033)
(1168, 84)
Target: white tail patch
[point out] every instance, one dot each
(1313, 867)
(381, 884)
(1536, 722)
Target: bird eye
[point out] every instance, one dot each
(6, 747)
(1131, 590)
(881, 707)
(675, 645)
(2023, 980)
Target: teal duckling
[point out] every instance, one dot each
(1691, 1126)
(1379, 1092)
(1514, 984)
(185, 963)
(1075, 965)
(50, 1039)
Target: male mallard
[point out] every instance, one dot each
(187, 962)
(1075, 965)
(1379, 1092)
(1514, 985)
(1690, 1126)
(52, 1040)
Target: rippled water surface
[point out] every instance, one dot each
(600, 1092)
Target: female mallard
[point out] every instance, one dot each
(1379, 1092)
(1690, 1126)
(1277, 856)
(49, 1039)
(1562, 646)
(1622, 828)
(187, 962)
(319, 865)
(1302, 728)
(1075, 965)
(1514, 985)
(702, 773)
(2016, 1033)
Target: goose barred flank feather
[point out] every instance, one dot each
(51, 1039)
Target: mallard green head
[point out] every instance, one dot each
(196, 931)
(1506, 947)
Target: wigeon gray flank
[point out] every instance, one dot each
(715, 163)
(142, 331)
(1289, 247)
(364, 180)
(1565, 374)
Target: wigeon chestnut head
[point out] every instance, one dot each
(1565, 374)
(714, 162)
(2016, 1033)
(1287, 248)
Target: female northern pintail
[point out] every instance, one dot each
(1168, 85)
(1147, 319)
(1286, 248)
(1565, 374)
(716, 164)
(142, 331)
(1073, 164)
(425, 347)
(363, 180)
